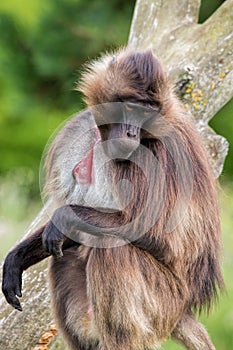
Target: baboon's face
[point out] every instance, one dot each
(121, 126)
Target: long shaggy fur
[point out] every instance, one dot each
(139, 292)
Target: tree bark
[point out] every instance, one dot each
(198, 59)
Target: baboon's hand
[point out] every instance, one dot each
(12, 280)
(53, 239)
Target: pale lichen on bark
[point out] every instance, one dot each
(198, 59)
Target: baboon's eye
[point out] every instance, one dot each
(129, 107)
(149, 111)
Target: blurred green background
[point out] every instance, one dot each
(43, 44)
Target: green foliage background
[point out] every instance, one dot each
(43, 45)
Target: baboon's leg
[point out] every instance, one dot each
(69, 300)
(192, 334)
(74, 342)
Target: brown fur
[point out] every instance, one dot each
(143, 291)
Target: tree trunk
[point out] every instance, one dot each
(198, 59)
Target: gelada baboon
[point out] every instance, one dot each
(152, 260)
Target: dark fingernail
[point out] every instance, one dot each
(18, 293)
(58, 254)
(18, 307)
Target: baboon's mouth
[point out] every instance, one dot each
(121, 160)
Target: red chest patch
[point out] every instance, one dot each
(83, 171)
